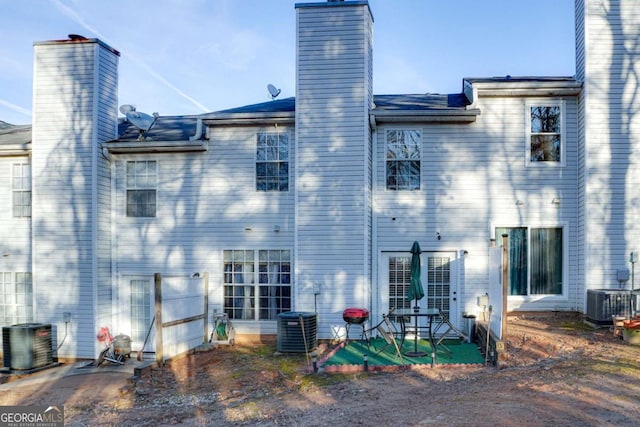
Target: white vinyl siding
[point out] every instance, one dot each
(70, 122)
(610, 135)
(474, 177)
(333, 99)
(207, 204)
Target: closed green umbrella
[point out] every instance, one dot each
(416, 292)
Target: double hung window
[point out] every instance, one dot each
(142, 179)
(403, 157)
(21, 189)
(535, 260)
(545, 141)
(257, 284)
(16, 298)
(272, 161)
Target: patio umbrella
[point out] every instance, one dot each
(416, 292)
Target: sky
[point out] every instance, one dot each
(196, 56)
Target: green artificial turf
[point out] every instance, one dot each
(380, 354)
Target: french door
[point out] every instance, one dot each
(438, 275)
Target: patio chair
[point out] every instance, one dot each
(444, 320)
(388, 332)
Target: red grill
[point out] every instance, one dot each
(355, 316)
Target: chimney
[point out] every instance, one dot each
(333, 140)
(74, 110)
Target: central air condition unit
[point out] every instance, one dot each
(603, 304)
(27, 346)
(297, 332)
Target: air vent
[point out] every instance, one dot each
(297, 332)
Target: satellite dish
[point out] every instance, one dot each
(273, 91)
(142, 121)
(124, 109)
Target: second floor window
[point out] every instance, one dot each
(142, 178)
(272, 161)
(403, 159)
(545, 134)
(21, 189)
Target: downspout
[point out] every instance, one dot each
(471, 93)
(374, 294)
(96, 317)
(198, 135)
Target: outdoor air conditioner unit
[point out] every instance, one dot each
(297, 332)
(603, 304)
(27, 346)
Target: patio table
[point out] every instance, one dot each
(403, 314)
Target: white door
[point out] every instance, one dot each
(439, 279)
(135, 311)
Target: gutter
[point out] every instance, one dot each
(504, 88)
(244, 119)
(431, 116)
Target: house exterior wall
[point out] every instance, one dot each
(333, 197)
(581, 183)
(207, 203)
(75, 99)
(606, 62)
(337, 217)
(472, 176)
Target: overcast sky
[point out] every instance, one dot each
(196, 56)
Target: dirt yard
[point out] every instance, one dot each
(557, 371)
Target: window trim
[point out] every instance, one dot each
(14, 190)
(563, 132)
(127, 188)
(386, 160)
(255, 282)
(29, 309)
(279, 161)
(564, 295)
